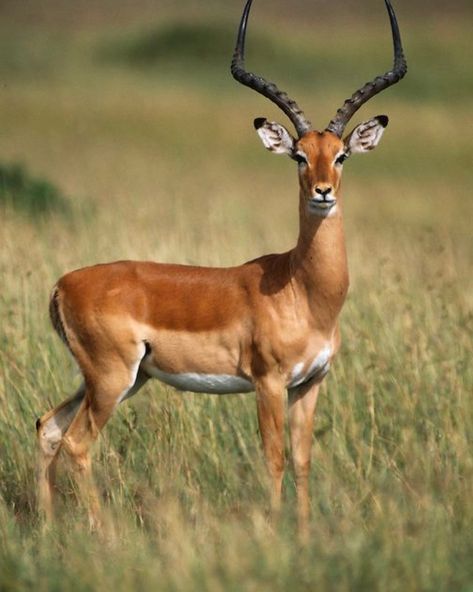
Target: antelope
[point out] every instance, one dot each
(268, 326)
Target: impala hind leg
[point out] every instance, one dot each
(302, 402)
(51, 428)
(103, 394)
(270, 407)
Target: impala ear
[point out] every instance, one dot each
(274, 136)
(366, 136)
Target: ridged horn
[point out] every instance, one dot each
(370, 89)
(268, 89)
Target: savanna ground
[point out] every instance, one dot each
(124, 136)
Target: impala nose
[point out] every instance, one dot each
(323, 191)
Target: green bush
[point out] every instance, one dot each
(28, 194)
(211, 44)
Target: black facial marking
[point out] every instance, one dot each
(341, 159)
(299, 158)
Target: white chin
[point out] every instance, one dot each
(322, 212)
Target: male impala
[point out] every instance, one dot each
(268, 325)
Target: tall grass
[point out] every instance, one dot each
(158, 165)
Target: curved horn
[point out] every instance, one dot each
(268, 89)
(364, 94)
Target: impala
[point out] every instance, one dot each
(268, 326)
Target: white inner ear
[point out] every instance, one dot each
(364, 137)
(276, 138)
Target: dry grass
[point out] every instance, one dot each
(158, 166)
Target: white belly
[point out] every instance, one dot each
(228, 383)
(219, 384)
(317, 369)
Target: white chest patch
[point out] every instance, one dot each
(219, 384)
(318, 368)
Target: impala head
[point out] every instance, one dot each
(320, 155)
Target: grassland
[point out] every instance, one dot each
(152, 155)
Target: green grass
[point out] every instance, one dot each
(159, 161)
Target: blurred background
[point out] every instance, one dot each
(123, 135)
(128, 110)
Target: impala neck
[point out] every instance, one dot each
(319, 260)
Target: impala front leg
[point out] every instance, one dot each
(270, 406)
(302, 402)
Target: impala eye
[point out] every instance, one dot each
(299, 158)
(341, 158)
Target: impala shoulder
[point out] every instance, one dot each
(271, 271)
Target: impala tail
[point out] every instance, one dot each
(56, 316)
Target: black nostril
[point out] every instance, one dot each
(323, 192)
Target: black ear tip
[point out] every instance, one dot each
(383, 120)
(259, 122)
